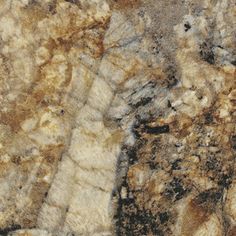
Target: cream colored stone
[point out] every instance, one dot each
(29, 124)
(76, 77)
(100, 95)
(42, 55)
(212, 227)
(31, 232)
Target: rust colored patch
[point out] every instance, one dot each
(199, 210)
(180, 125)
(52, 154)
(194, 217)
(232, 231)
(14, 117)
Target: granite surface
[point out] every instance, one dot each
(117, 117)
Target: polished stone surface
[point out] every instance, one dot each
(117, 117)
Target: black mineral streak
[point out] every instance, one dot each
(157, 129)
(142, 102)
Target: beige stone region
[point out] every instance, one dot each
(85, 87)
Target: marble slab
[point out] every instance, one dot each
(117, 117)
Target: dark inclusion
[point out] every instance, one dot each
(187, 26)
(208, 196)
(52, 8)
(6, 231)
(233, 142)
(143, 101)
(73, 1)
(175, 165)
(206, 52)
(172, 80)
(164, 217)
(140, 127)
(176, 190)
(208, 118)
(225, 180)
(133, 220)
(157, 129)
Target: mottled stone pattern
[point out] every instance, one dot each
(117, 117)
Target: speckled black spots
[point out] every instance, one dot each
(187, 26)
(153, 165)
(156, 48)
(157, 129)
(134, 221)
(132, 218)
(208, 196)
(171, 73)
(132, 154)
(164, 217)
(172, 81)
(206, 52)
(176, 190)
(212, 164)
(233, 142)
(131, 151)
(225, 180)
(176, 165)
(6, 231)
(16, 160)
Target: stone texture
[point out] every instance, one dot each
(117, 117)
